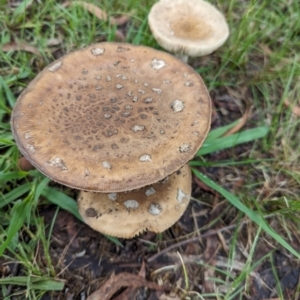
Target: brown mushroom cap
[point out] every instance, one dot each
(192, 28)
(126, 214)
(112, 117)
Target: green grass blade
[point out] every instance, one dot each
(62, 200)
(15, 175)
(9, 95)
(3, 107)
(218, 132)
(114, 240)
(14, 194)
(41, 186)
(259, 220)
(6, 142)
(232, 140)
(41, 283)
(21, 211)
(226, 163)
(139, 36)
(48, 285)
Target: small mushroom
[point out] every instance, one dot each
(84, 122)
(24, 164)
(124, 215)
(188, 28)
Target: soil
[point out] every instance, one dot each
(85, 259)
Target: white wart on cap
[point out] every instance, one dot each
(112, 117)
(188, 28)
(154, 208)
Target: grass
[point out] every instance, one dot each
(258, 66)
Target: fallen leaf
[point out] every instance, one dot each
(93, 9)
(295, 109)
(120, 35)
(115, 282)
(99, 13)
(241, 123)
(20, 46)
(142, 271)
(130, 292)
(214, 114)
(121, 20)
(171, 296)
(10, 70)
(202, 185)
(54, 41)
(265, 49)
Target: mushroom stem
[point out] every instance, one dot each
(182, 57)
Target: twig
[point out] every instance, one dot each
(205, 235)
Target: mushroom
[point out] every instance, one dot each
(188, 28)
(112, 117)
(155, 207)
(24, 164)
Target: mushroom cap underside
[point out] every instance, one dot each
(112, 117)
(126, 214)
(192, 28)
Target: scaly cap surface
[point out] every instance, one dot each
(112, 117)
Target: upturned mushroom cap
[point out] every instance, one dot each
(126, 214)
(192, 28)
(112, 117)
